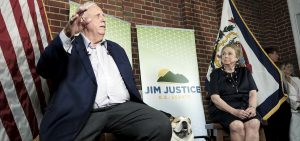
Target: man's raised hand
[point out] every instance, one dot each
(74, 26)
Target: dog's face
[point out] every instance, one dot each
(182, 129)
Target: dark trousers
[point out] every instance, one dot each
(129, 121)
(278, 126)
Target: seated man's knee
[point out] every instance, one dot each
(162, 125)
(157, 128)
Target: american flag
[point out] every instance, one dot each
(24, 33)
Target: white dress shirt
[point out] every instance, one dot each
(111, 87)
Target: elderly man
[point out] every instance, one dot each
(95, 90)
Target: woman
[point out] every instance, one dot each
(292, 86)
(233, 95)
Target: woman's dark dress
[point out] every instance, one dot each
(234, 89)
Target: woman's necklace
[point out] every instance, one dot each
(232, 78)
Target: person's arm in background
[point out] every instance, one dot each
(293, 96)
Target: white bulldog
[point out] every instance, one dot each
(181, 129)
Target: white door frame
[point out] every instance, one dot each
(294, 10)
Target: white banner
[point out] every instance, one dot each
(169, 73)
(119, 31)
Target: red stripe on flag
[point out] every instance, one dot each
(28, 48)
(47, 30)
(34, 20)
(13, 67)
(7, 116)
(37, 79)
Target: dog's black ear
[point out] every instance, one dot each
(171, 118)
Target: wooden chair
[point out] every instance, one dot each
(216, 131)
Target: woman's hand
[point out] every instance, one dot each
(252, 111)
(242, 114)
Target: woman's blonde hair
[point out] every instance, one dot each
(285, 64)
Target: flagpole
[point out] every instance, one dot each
(48, 25)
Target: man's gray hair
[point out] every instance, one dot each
(87, 5)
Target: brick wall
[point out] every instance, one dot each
(268, 20)
(285, 40)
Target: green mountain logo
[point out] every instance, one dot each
(168, 76)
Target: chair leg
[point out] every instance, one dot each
(219, 135)
(262, 136)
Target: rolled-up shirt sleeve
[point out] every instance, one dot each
(66, 41)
